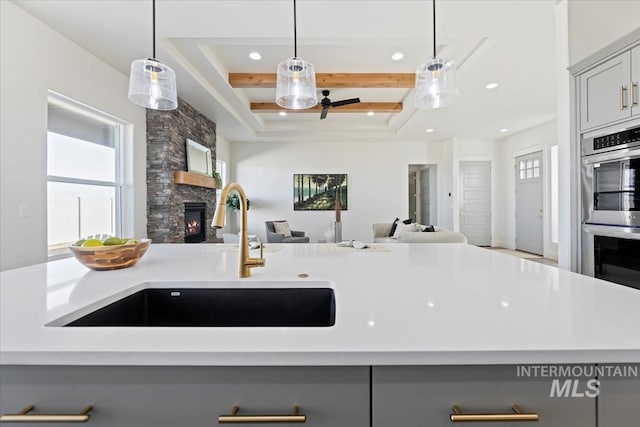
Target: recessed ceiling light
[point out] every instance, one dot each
(429, 130)
(370, 113)
(503, 130)
(255, 56)
(282, 113)
(491, 86)
(397, 56)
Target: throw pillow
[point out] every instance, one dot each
(429, 228)
(393, 227)
(401, 228)
(407, 221)
(282, 228)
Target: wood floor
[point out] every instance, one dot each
(526, 255)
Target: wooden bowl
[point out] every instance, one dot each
(110, 257)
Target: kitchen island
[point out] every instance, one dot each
(396, 304)
(418, 329)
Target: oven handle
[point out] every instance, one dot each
(609, 231)
(624, 154)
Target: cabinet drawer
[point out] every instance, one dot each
(424, 396)
(189, 396)
(619, 398)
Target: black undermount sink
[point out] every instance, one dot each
(218, 307)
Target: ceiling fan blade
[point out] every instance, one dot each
(323, 113)
(345, 102)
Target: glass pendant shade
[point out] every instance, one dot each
(296, 84)
(436, 84)
(152, 84)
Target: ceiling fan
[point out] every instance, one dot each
(326, 103)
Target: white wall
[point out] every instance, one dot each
(223, 152)
(35, 59)
(567, 236)
(446, 193)
(377, 182)
(540, 138)
(595, 24)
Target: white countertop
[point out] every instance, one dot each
(424, 304)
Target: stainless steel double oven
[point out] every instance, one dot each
(611, 206)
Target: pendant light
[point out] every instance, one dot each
(296, 81)
(435, 79)
(152, 84)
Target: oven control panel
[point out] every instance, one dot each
(620, 138)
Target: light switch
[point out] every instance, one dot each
(24, 211)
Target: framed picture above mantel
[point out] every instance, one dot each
(320, 192)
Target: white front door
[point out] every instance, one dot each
(475, 202)
(529, 215)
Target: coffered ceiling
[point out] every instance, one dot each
(350, 43)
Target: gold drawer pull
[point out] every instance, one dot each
(25, 417)
(517, 415)
(235, 418)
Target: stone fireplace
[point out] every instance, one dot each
(167, 201)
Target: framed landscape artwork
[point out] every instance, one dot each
(319, 192)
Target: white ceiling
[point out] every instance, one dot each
(510, 42)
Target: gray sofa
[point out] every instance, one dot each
(273, 237)
(441, 235)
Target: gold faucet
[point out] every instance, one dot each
(245, 263)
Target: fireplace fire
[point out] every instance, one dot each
(194, 222)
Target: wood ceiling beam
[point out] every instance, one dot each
(329, 80)
(361, 107)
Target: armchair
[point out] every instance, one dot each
(274, 237)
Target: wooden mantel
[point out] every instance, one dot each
(188, 178)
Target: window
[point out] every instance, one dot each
(84, 188)
(529, 168)
(221, 168)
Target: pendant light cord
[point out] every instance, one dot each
(434, 29)
(295, 31)
(153, 26)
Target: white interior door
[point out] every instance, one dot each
(475, 202)
(529, 203)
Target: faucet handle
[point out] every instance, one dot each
(261, 248)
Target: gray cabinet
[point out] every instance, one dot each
(635, 81)
(609, 92)
(604, 92)
(618, 400)
(189, 396)
(128, 396)
(424, 396)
